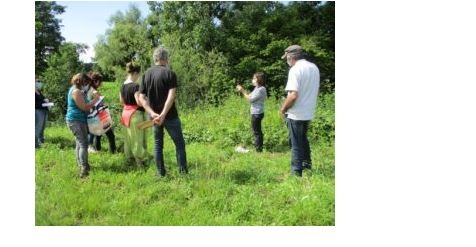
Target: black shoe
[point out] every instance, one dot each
(183, 170)
(306, 165)
(160, 174)
(296, 173)
(140, 163)
(84, 172)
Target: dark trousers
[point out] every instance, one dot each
(40, 124)
(174, 128)
(300, 150)
(96, 140)
(257, 132)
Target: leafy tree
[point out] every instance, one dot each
(188, 30)
(254, 39)
(62, 65)
(254, 35)
(214, 44)
(47, 32)
(123, 42)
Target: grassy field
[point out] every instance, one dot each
(223, 188)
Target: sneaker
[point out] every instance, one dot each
(241, 149)
(92, 150)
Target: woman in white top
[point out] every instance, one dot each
(95, 141)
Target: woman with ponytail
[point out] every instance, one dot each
(135, 145)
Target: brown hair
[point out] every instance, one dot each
(259, 78)
(80, 79)
(132, 67)
(95, 76)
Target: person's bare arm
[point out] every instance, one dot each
(288, 102)
(168, 104)
(137, 96)
(243, 91)
(145, 103)
(121, 99)
(79, 100)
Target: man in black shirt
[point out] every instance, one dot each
(157, 95)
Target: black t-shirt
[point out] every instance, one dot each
(156, 83)
(127, 93)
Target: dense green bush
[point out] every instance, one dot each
(323, 127)
(214, 44)
(230, 125)
(62, 65)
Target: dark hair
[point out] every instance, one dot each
(132, 67)
(259, 78)
(95, 76)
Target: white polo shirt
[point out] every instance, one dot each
(304, 78)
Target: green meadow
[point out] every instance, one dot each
(223, 188)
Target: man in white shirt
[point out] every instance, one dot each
(299, 106)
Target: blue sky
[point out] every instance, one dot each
(83, 21)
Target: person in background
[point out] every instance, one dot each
(256, 98)
(135, 145)
(95, 141)
(41, 113)
(76, 118)
(299, 106)
(157, 95)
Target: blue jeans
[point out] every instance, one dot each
(174, 128)
(257, 132)
(40, 124)
(80, 132)
(300, 150)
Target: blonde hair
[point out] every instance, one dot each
(80, 79)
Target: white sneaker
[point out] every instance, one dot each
(241, 149)
(92, 150)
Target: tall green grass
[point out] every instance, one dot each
(223, 188)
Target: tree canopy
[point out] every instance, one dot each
(122, 43)
(213, 45)
(47, 32)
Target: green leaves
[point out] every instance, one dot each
(124, 42)
(62, 65)
(47, 32)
